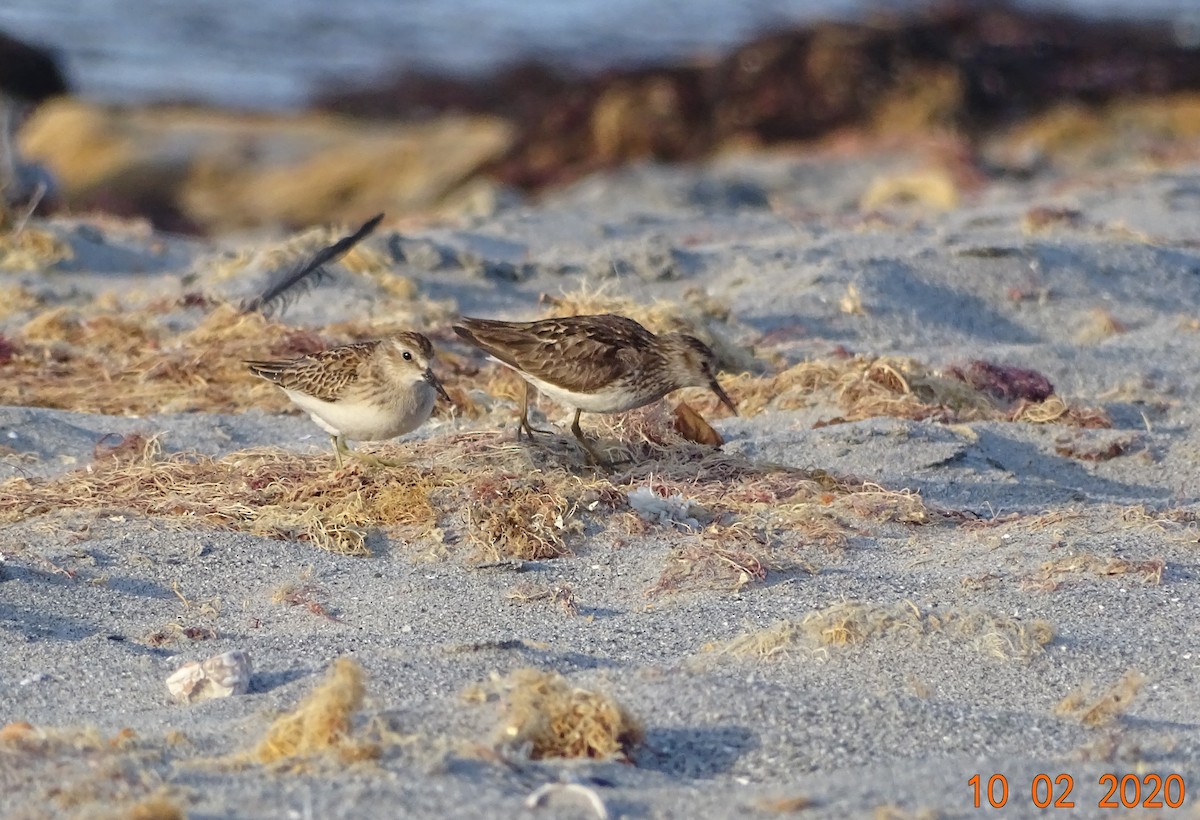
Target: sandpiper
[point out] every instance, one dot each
(601, 364)
(366, 391)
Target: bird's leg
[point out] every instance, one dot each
(593, 456)
(524, 425)
(340, 448)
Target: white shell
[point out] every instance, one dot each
(218, 677)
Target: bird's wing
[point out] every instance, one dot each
(326, 375)
(578, 353)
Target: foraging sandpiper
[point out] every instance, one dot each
(601, 364)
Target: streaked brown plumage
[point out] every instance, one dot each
(602, 364)
(366, 391)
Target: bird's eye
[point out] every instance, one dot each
(407, 356)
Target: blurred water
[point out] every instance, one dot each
(273, 54)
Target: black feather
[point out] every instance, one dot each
(290, 284)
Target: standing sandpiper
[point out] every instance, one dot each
(367, 391)
(601, 364)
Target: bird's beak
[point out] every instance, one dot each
(722, 395)
(437, 385)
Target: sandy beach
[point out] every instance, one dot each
(912, 562)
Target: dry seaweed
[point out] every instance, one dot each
(303, 592)
(784, 805)
(81, 772)
(321, 723)
(854, 622)
(934, 189)
(545, 716)
(864, 387)
(31, 249)
(560, 595)
(723, 558)
(1053, 574)
(128, 362)
(1093, 707)
(519, 519)
(1100, 325)
(477, 486)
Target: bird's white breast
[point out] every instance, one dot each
(376, 418)
(608, 399)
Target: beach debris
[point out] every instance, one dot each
(545, 716)
(722, 558)
(1004, 382)
(784, 805)
(934, 189)
(473, 494)
(1094, 448)
(1056, 411)
(32, 250)
(560, 594)
(320, 724)
(539, 796)
(518, 518)
(851, 302)
(1043, 218)
(1100, 708)
(174, 633)
(161, 806)
(1052, 575)
(503, 645)
(1099, 325)
(217, 677)
(692, 426)
(657, 508)
(282, 289)
(856, 622)
(306, 592)
(77, 771)
(16, 731)
(134, 448)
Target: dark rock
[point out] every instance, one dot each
(28, 72)
(967, 66)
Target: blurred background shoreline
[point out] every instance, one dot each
(221, 118)
(278, 55)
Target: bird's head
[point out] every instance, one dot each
(693, 364)
(410, 356)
